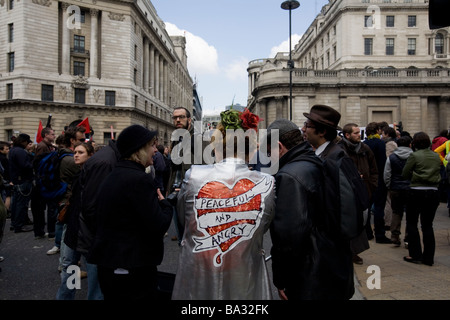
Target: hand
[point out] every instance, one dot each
(282, 294)
(160, 196)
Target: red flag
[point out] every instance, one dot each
(85, 123)
(38, 135)
(112, 133)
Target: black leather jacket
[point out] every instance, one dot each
(306, 261)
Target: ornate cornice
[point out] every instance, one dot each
(116, 16)
(45, 3)
(80, 82)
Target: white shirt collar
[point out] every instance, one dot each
(320, 149)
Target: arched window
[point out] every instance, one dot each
(439, 44)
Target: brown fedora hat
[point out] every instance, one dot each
(324, 115)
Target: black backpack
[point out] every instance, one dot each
(346, 196)
(47, 177)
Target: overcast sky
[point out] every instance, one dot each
(223, 36)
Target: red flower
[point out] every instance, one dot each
(249, 120)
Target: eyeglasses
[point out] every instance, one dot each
(307, 125)
(180, 117)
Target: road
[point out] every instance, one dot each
(28, 273)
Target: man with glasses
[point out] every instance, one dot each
(182, 120)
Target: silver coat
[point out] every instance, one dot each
(227, 208)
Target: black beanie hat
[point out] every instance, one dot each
(132, 138)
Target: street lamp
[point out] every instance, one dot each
(290, 5)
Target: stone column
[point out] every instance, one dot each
(157, 74)
(161, 78)
(279, 107)
(166, 82)
(146, 63)
(262, 106)
(424, 114)
(152, 69)
(442, 109)
(65, 61)
(93, 63)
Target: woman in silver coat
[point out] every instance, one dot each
(226, 208)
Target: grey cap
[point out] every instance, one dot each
(283, 126)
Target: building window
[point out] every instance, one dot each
(110, 98)
(135, 76)
(390, 21)
(368, 46)
(11, 4)
(411, 46)
(135, 52)
(390, 46)
(368, 22)
(78, 44)
(80, 95)
(11, 32)
(78, 68)
(9, 91)
(439, 44)
(82, 16)
(106, 137)
(11, 61)
(412, 20)
(47, 92)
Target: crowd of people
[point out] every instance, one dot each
(121, 199)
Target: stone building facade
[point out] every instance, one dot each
(111, 61)
(372, 60)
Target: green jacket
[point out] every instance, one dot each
(423, 169)
(68, 172)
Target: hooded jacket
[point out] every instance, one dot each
(394, 167)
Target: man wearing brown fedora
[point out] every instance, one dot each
(320, 130)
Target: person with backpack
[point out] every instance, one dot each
(38, 203)
(321, 131)
(68, 170)
(364, 160)
(308, 263)
(398, 186)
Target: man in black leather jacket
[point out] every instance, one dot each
(304, 256)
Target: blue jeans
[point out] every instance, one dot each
(94, 291)
(69, 257)
(59, 228)
(19, 205)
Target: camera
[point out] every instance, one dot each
(172, 198)
(4, 185)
